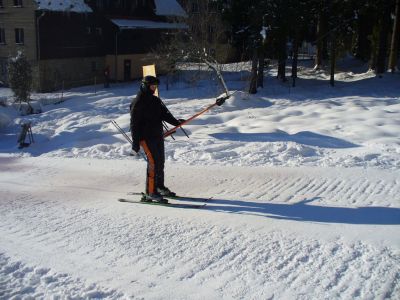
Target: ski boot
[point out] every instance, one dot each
(154, 197)
(164, 191)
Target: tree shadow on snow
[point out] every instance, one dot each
(304, 137)
(302, 211)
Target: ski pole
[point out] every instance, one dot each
(218, 102)
(126, 137)
(165, 125)
(122, 132)
(166, 129)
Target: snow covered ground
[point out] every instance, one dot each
(305, 184)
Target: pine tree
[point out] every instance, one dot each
(20, 77)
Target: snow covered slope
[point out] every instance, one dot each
(305, 185)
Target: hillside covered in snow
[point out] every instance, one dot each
(304, 185)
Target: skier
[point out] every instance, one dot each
(147, 114)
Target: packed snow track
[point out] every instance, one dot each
(268, 232)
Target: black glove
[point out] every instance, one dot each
(135, 147)
(221, 100)
(181, 120)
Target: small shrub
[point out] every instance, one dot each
(20, 77)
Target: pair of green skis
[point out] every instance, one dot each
(170, 204)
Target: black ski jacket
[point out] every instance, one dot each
(147, 114)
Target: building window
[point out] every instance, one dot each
(1, 4)
(18, 3)
(2, 36)
(19, 35)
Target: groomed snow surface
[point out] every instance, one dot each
(305, 184)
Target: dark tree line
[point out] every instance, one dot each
(368, 29)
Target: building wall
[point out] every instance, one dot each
(68, 53)
(116, 65)
(69, 34)
(56, 74)
(12, 17)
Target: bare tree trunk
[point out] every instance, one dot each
(282, 69)
(383, 40)
(295, 60)
(394, 47)
(260, 74)
(333, 58)
(374, 48)
(318, 55)
(363, 45)
(321, 52)
(282, 56)
(253, 78)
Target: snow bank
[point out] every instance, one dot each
(353, 124)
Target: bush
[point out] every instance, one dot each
(20, 77)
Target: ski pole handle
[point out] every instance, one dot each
(221, 100)
(173, 130)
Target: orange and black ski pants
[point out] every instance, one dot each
(154, 150)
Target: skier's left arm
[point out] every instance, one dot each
(167, 116)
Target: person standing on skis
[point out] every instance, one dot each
(147, 113)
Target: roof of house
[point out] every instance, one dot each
(163, 7)
(169, 8)
(144, 24)
(78, 6)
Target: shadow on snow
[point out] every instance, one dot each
(305, 138)
(310, 213)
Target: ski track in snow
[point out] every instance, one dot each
(286, 233)
(20, 281)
